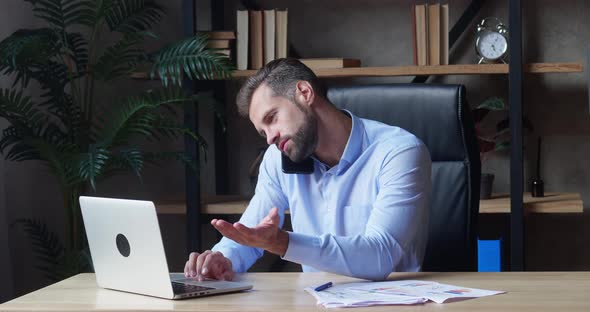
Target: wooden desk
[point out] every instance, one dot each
(499, 203)
(527, 291)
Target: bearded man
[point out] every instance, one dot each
(360, 208)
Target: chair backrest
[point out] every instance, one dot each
(440, 116)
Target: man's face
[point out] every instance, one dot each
(291, 126)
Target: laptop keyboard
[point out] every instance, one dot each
(181, 288)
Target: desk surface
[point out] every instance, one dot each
(527, 291)
(499, 203)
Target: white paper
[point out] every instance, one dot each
(393, 292)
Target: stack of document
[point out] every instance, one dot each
(394, 292)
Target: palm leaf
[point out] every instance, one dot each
(78, 52)
(100, 10)
(191, 57)
(35, 135)
(92, 163)
(130, 16)
(20, 112)
(20, 151)
(63, 13)
(131, 158)
(18, 109)
(121, 58)
(32, 54)
(26, 50)
(55, 262)
(156, 158)
(137, 116)
(53, 77)
(71, 263)
(45, 243)
(172, 129)
(10, 136)
(45, 143)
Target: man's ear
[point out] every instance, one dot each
(304, 92)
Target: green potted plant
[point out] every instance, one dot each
(492, 141)
(79, 141)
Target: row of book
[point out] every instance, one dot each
(222, 42)
(430, 34)
(261, 37)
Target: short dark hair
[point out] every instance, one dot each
(280, 75)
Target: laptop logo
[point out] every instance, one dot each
(123, 245)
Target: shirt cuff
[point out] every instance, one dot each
(303, 249)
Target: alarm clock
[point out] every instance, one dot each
(491, 43)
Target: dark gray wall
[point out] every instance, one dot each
(377, 32)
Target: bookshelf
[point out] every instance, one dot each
(458, 69)
(517, 204)
(391, 71)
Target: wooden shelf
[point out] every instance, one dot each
(390, 71)
(220, 204)
(551, 203)
(460, 69)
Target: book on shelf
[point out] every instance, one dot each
(261, 36)
(444, 34)
(219, 34)
(414, 40)
(434, 34)
(430, 34)
(269, 35)
(281, 33)
(256, 39)
(242, 40)
(421, 34)
(318, 63)
(226, 52)
(218, 44)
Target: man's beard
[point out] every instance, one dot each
(305, 140)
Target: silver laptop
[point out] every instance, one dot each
(128, 253)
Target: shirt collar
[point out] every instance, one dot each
(354, 146)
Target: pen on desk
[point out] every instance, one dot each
(323, 286)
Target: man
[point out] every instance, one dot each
(362, 212)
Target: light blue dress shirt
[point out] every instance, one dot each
(365, 217)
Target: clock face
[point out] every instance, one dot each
(491, 45)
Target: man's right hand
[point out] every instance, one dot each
(209, 264)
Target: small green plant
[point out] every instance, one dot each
(80, 142)
(499, 139)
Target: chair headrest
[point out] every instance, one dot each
(435, 113)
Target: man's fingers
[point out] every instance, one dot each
(228, 275)
(274, 216)
(211, 264)
(200, 260)
(228, 230)
(189, 267)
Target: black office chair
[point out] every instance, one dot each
(440, 116)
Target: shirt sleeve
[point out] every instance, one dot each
(395, 236)
(268, 194)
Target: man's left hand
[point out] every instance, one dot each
(266, 235)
